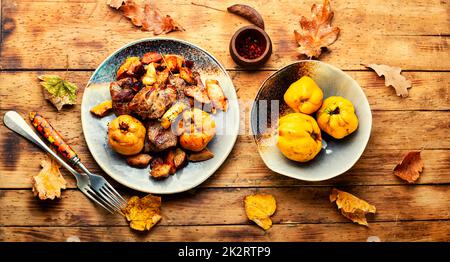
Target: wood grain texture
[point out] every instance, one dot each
(200, 207)
(388, 144)
(37, 36)
(412, 34)
(385, 231)
(430, 91)
(394, 132)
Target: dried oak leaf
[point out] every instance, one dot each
(145, 14)
(49, 182)
(316, 33)
(143, 213)
(259, 208)
(392, 77)
(58, 91)
(352, 207)
(410, 167)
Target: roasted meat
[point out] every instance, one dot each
(122, 92)
(197, 91)
(152, 102)
(151, 57)
(177, 82)
(158, 138)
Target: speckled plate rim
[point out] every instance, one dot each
(123, 181)
(338, 173)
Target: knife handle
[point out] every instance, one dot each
(45, 128)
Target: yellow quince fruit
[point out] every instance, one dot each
(304, 96)
(337, 117)
(299, 137)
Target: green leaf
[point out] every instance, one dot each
(59, 91)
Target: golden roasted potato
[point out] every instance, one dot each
(150, 75)
(203, 155)
(159, 169)
(173, 62)
(172, 113)
(179, 158)
(131, 67)
(139, 160)
(102, 109)
(216, 95)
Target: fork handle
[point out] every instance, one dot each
(16, 123)
(46, 129)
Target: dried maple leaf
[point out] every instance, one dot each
(115, 3)
(143, 213)
(58, 91)
(259, 208)
(352, 207)
(49, 182)
(410, 168)
(145, 14)
(392, 77)
(316, 33)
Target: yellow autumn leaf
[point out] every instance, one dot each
(49, 182)
(259, 208)
(143, 213)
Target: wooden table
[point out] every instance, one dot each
(38, 36)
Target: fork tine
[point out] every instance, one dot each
(109, 198)
(101, 199)
(116, 193)
(87, 193)
(118, 206)
(118, 201)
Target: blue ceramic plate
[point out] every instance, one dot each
(337, 156)
(95, 129)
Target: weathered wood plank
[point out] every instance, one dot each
(385, 231)
(244, 168)
(431, 90)
(393, 132)
(412, 34)
(295, 205)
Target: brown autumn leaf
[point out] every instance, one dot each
(145, 14)
(410, 167)
(143, 213)
(49, 182)
(316, 33)
(259, 208)
(392, 77)
(352, 207)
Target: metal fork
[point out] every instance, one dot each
(93, 186)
